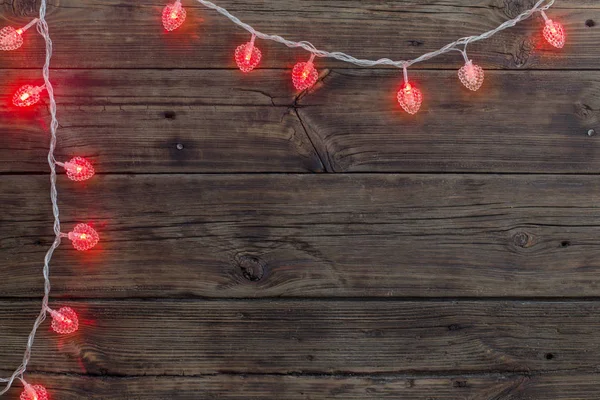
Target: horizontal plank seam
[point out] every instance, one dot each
(372, 173)
(293, 299)
(333, 68)
(377, 376)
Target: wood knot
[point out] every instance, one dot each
(522, 53)
(522, 239)
(23, 8)
(252, 268)
(460, 384)
(512, 8)
(415, 43)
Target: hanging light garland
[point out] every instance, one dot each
(410, 98)
(83, 237)
(247, 57)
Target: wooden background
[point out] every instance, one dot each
(263, 244)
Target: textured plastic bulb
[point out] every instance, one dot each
(304, 74)
(554, 32)
(27, 95)
(409, 97)
(247, 56)
(64, 321)
(471, 75)
(83, 237)
(34, 392)
(173, 16)
(78, 169)
(11, 38)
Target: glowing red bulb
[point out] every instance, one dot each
(304, 74)
(247, 56)
(27, 95)
(471, 76)
(34, 392)
(11, 38)
(79, 169)
(554, 33)
(173, 16)
(64, 321)
(410, 98)
(83, 237)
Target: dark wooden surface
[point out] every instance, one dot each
(263, 244)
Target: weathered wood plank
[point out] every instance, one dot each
(313, 337)
(132, 121)
(519, 122)
(135, 120)
(121, 33)
(273, 387)
(308, 235)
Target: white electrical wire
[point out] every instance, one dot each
(42, 28)
(382, 61)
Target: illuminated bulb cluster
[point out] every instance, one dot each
(34, 392)
(11, 38)
(173, 16)
(83, 237)
(247, 56)
(27, 95)
(64, 321)
(304, 74)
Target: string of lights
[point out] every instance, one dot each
(410, 97)
(247, 57)
(83, 237)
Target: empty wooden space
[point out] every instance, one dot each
(259, 243)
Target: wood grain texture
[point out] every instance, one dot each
(125, 338)
(228, 270)
(309, 236)
(579, 386)
(121, 33)
(132, 121)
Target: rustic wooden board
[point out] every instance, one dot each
(579, 386)
(520, 122)
(122, 33)
(309, 235)
(132, 121)
(423, 285)
(309, 337)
